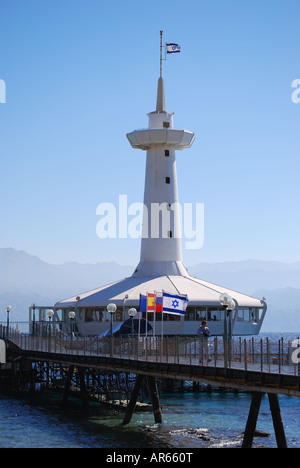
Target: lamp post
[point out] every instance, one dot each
(230, 308)
(225, 301)
(72, 316)
(8, 309)
(132, 313)
(228, 305)
(50, 314)
(111, 308)
(33, 318)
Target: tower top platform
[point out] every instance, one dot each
(161, 130)
(170, 138)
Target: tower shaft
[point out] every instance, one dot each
(161, 252)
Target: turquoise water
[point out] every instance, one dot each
(28, 423)
(223, 418)
(190, 420)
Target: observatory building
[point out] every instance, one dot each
(161, 267)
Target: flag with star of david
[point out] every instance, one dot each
(172, 48)
(174, 304)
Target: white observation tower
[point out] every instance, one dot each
(160, 267)
(161, 241)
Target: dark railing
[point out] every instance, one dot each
(265, 355)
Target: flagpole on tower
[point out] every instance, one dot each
(161, 48)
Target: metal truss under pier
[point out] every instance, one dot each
(88, 363)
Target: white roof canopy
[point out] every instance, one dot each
(127, 292)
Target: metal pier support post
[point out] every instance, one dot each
(133, 399)
(252, 420)
(155, 400)
(83, 393)
(277, 421)
(67, 385)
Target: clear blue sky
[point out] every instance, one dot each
(80, 74)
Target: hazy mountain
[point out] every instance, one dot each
(283, 312)
(279, 282)
(243, 265)
(28, 274)
(250, 275)
(25, 279)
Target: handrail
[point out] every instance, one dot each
(263, 355)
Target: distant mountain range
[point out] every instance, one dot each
(25, 279)
(250, 275)
(26, 273)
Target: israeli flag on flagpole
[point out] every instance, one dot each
(172, 48)
(174, 304)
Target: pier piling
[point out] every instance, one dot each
(277, 420)
(155, 400)
(133, 399)
(276, 417)
(252, 420)
(67, 385)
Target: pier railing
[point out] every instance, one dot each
(259, 354)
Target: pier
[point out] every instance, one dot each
(253, 365)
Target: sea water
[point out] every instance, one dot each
(190, 420)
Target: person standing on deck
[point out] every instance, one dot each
(203, 335)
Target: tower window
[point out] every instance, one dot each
(166, 124)
(170, 234)
(168, 180)
(167, 153)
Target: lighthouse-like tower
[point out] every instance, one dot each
(160, 267)
(161, 240)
